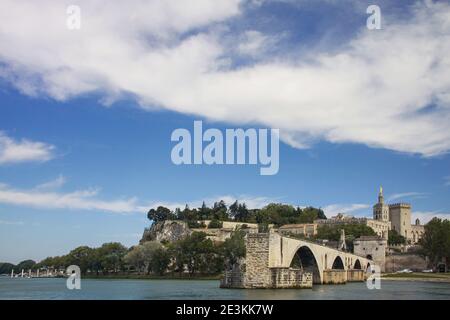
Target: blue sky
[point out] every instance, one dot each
(85, 126)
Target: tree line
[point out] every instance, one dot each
(274, 213)
(195, 254)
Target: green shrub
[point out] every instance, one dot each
(215, 224)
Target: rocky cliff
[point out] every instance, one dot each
(168, 230)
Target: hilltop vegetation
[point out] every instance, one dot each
(274, 213)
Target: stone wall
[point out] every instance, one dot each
(257, 261)
(396, 262)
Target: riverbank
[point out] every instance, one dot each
(428, 277)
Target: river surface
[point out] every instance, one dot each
(55, 289)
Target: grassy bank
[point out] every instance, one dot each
(436, 277)
(153, 277)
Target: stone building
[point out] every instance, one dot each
(399, 215)
(304, 229)
(379, 226)
(227, 229)
(373, 248)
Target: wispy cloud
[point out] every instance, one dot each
(11, 223)
(53, 184)
(42, 198)
(333, 209)
(425, 216)
(407, 195)
(77, 200)
(16, 151)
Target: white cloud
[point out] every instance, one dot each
(334, 209)
(254, 43)
(77, 200)
(15, 151)
(407, 195)
(53, 184)
(374, 91)
(425, 216)
(42, 198)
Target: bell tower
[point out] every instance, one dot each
(381, 210)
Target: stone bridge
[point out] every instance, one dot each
(275, 261)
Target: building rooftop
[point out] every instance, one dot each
(401, 204)
(369, 238)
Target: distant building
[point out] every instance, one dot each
(399, 215)
(227, 229)
(385, 217)
(305, 229)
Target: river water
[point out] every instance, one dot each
(55, 289)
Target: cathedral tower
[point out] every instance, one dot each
(381, 210)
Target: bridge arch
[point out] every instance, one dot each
(305, 259)
(338, 263)
(357, 265)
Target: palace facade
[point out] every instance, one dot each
(385, 217)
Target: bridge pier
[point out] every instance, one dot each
(334, 276)
(356, 275)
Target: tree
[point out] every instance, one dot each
(242, 213)
(436, 240)
(148, 250)
(151, 256)
(54, 262)
(220, 211)
(26, 265)
(160, 261)
(6, 268)
(82, 257)
(197, 254)
(204, 212)
(215, 224)
(310, 214)
(234, 209)
(135, 258)
(352, 231)
(111, 256)
(394, 238)
(233, 249)
(160, 214)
